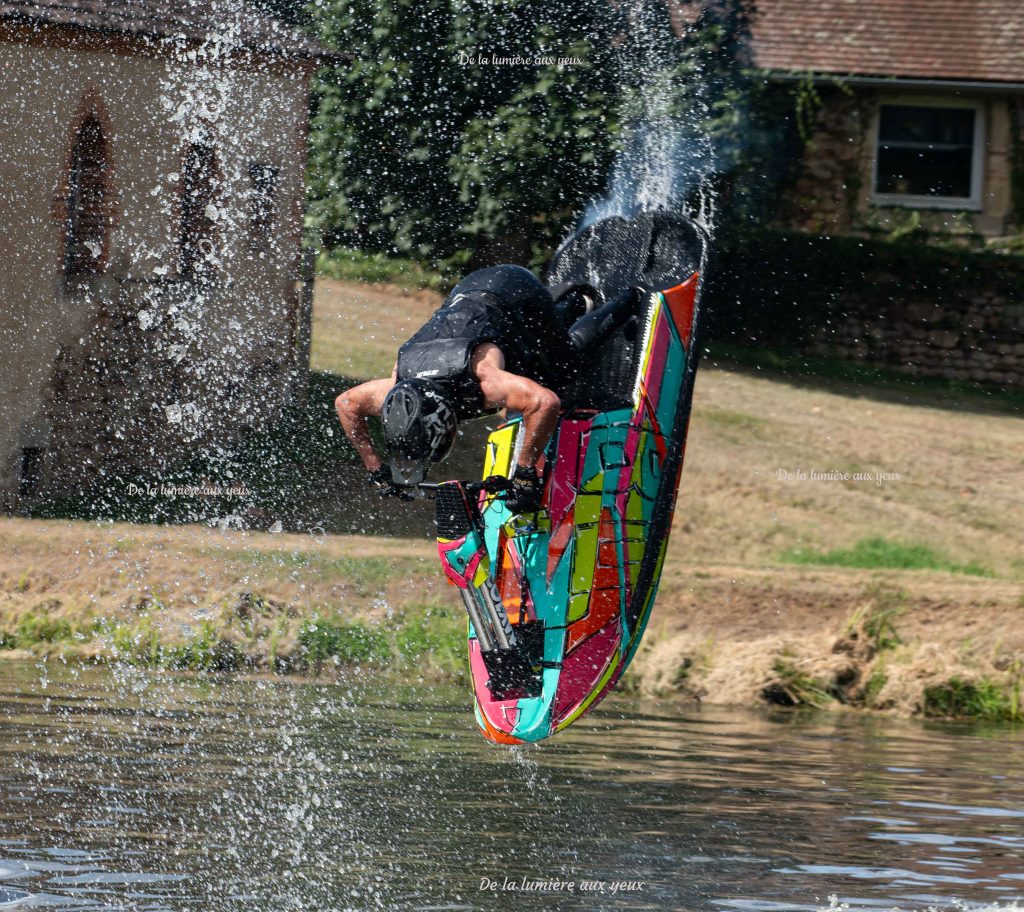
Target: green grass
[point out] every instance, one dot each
(358, 266)
(731, 418)
(434, 640)
(874, 686)
(984, 699)
(204, 649)
(881, 554)
(878, 623)
(364, 575)
(41, 627)
(321, 640)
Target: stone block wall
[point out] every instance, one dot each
(906, 307)
(831, 189)
(977, 338)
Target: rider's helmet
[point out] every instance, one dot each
(419, 428)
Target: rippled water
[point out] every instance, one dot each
(122, 790)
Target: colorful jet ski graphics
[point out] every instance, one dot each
(558, 601)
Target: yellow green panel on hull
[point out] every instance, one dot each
(578, 606)
(500, 445)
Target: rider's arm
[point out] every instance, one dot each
(354, 406)
(537, 404)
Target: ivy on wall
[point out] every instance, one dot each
(1017, 164)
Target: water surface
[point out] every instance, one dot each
(129, 790)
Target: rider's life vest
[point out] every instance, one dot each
(506, 305)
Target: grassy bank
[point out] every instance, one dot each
(835, 544)
(923, 642)
(193, 598)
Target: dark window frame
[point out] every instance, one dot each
(87, 220)
(196, 231)
(264, 183)
(972, 202)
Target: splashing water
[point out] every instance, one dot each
(668, 159)
(128, 790)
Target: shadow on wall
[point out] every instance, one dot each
(297, 474)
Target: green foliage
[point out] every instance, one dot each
(434, 640)
(358, 266)
(321, 640)
(204, 649)
(874, 686)
(782, 289)
(794, 687)
(41, 626)
(878, 623)
(984, 699)
(398, 128)
(423, 148)
(881, 554)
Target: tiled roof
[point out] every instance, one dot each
(236, 23)
(926, 39)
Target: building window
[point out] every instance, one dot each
(31, 471)
(199, 212)
(929, 155)
(262, 193)
(86, 221)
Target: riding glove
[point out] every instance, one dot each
(525, 491)
(382, 480)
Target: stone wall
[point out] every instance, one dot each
(977, 338)
(904, 306)
(65, 335)
(823, 197)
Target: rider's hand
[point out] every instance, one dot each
(382, 480)
(525, 491)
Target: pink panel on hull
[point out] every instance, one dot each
(461, 580)
(656, 363)
(583, 669)
(502, 714)
(562, 488)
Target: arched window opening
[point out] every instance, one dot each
(87, 224)
(199, 210)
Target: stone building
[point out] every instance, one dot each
(920, 117)
(151, 200)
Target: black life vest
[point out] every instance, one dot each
(506, 305)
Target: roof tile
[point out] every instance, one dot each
(966, 40)
(232, 22)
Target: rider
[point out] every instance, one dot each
(499, 341)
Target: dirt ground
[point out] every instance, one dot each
(736, 621)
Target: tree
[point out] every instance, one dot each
(462, 127)
(428, 141)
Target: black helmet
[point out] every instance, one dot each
(419, 428)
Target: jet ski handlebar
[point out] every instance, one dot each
(493, 484)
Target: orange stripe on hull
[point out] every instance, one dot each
(606, 592)
(495, 734)
(681, 300)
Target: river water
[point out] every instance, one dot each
(128, 790)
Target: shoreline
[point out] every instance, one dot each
(910, 643)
